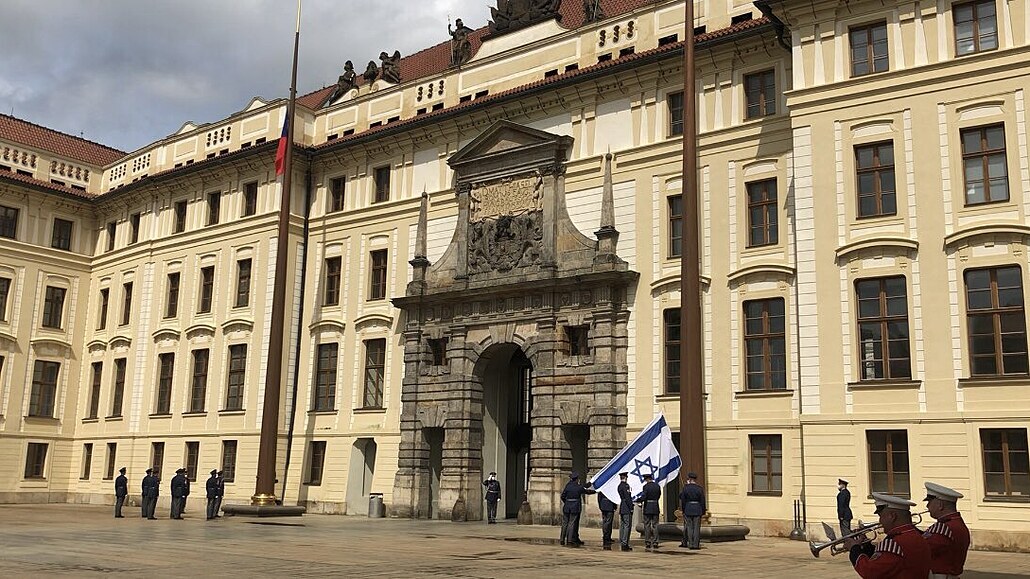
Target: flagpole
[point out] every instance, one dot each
(264, 492)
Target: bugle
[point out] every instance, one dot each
(837, 546)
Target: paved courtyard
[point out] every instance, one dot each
(85, 540)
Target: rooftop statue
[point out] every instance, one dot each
(592, 11)
(391, 67)
(461, 46)
(514, 14)
(371, 72)
(347, 81)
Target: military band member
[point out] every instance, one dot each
(572, 507)
(649, 496)
(625, 511)
(121, 490)
(902, 554)
(948, 538)
(493, 495)
(844, 515)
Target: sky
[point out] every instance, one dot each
(126, 73)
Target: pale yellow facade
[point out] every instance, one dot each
(822, 417)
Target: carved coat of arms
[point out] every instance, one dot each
(505, 225)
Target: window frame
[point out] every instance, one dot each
(201, 364)
(867, 30)
(766, 337)
(165, 378)
(244, 269)
(52, 317)
(180, 210)
(229, 451)
(192, 459)
(333, 281)
(43, 394)
(157, 457)
(378, 274)
(250, 199)
(877, 170)
(674, 206)
(675, 110)
(984, 154)
(105, 303)
(883, 320)
(236, 377)
(765, 106)
(891, 469)
(769, 206)
(9, 217)
(996, 312)
(1006, 452)
(5, 293)
(62, 234)
(172, 295)
(326, 367)
(35, 460)
(381, 177)
(214, 207)
(374, 376)
(337, 193)
(112, 457)
(671, 365)
(316, 463)
(771, 441)
(126, 303)
(205, 301)
(118, 391)
(134, 221)
(94, 392)
(112, 233)
(87, 461)
(974, 6)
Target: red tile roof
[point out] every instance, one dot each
(32, 135)
(13, 176)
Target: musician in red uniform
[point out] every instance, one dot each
(948, 537)
(902, 554)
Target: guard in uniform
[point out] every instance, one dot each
(607, 517)
(902, 554)
(692, 503)
(948, 538)
(844, 515)
(211, 486)
(221, 493)
(151, 489)
(179, 489)
(493, 494)
(625, 511)
(121, 490)
(650, 497)
(572, 507)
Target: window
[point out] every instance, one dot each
(883, 328)
(675, 104)
(765, 341)
(237, 377)
(229, 460)
(332, 282)
(172, 303)
(35, 460)
(5, 290)
(157, 457)
(577, 340)
(112, 229)
(44, 389)
(976, 27)
(243, 283)
(760, 92)
(53, 307)
(180, 217)
(8, 222)
(198, 389)
(675, 226)
(94, 393)
(375, 367)
(207, 289)
(316, 460)
(888, 462)
(192, 458)
(996, 321)
(62, 236)
(382, 177)
(438, 349)
(214, 206)
(112, 454)
(671, 322)
(984, 167)
(87, 460)
(762, 213)
(164, 384)
(105, 300)
(325, 379)
(869, 49)
(377, 287)
(874, 168)
(766, 464)
(119, 388)
(126, 303)
(134, 228)
(250, 199)
(1006, 463)
(337, 187)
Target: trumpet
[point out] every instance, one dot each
(837, 546)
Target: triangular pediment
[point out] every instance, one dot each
(505, 137)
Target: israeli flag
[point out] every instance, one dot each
(651, 452)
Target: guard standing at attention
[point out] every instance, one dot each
(844, 515)
(572, 507)
(493, 494)
(625, 511)
(179, 484)
(121, 490)
(221, 493)
(151, 489)
(692, 503)
(948, 537)
(902, 554)
(212, 494)
(607, 517)
(649, 496)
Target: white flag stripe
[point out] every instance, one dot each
(651, 452)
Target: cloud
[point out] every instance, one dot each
(126, 72)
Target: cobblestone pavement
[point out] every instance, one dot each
(86, 540)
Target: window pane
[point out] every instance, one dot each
(985, 365)
(1016, 364)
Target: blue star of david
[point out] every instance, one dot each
(643, 468)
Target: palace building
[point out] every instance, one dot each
(484, 272)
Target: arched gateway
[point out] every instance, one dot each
(515, 339)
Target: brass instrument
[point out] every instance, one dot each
(836, 546)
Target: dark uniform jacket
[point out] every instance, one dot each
(625, 499)
(650, 496)
(605, 505)
(902, 554)
(493, 490)
(180, 486)
(212, 487)
(221, 486)
(121, 486)
(151, 486)
(948, 539)
(692, 500)
(572, 497)
(844, 505)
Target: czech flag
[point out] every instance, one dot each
(280, 152)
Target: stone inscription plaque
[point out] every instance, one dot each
(509, 196)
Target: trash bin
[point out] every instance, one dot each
(376, 510)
